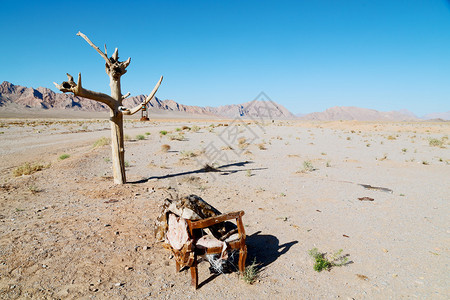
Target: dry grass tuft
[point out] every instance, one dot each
(251, 273)
(28, 169)
(165, 148)
(242, 143)
(102, 142)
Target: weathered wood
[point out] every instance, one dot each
(137, 108)
(236, 244)
(215, 220)
(77, 89)
(115, 69)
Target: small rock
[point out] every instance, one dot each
(44, 266)
(107, 225)
(119, 284)
(145, 248)
(128, 268)
(117, 233)
(385, 250)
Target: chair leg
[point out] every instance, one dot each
(194, 274)
(177, 264)
(242, 258)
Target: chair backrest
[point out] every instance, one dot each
(204, 223)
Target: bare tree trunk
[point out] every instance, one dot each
(117, 147)
(115, 69)
(117, 143)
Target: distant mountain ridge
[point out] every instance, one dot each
(45, 98)
(360, 114)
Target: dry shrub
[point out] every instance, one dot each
(102, 142)
(242, 140)
(188, 154)
(28, 169)
(165, 148)
(262, 146)
(242, 143)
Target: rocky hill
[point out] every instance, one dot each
(360, 114)
(436, 116)
(45, 98)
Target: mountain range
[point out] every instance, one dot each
(43, 98)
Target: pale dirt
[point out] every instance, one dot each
(68, 232)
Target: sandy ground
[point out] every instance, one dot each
(67, 232)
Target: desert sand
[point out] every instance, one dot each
(67, 232)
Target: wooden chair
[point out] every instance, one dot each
(190, 252)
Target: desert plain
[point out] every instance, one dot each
(67, 232)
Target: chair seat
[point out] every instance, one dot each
(232, 238)
(208, 241)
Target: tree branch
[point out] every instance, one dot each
(137, 108)
(95, 47)
(126, 95)
(76, 88)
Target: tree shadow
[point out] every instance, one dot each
(265, 249)
(205, 169)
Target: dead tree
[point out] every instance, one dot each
(115, 69)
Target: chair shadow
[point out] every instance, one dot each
(265, 249)
(219, 169)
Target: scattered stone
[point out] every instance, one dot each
(365, 199)
(119, 284)
(376, 188)
(111, 201)
(145, 248)
(385, 250)
(107, 225)
(362, 277)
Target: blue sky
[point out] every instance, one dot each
(305, 55)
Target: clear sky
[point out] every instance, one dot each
(305, 55)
